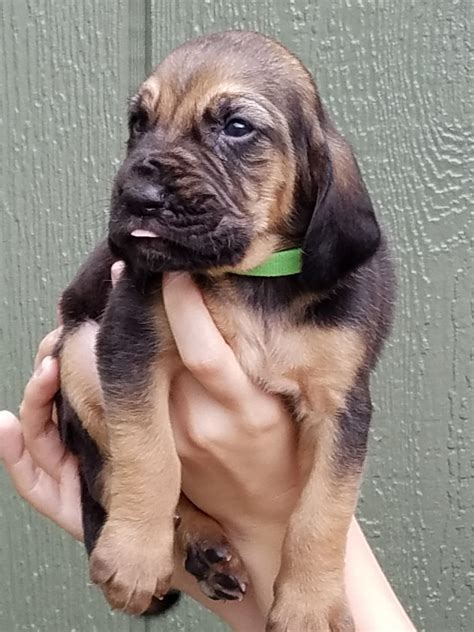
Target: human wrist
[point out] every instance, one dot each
(372, 601)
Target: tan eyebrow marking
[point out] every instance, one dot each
(150, 94)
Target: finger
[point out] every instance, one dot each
(18, 462)
(192, 411)
(41, 435)
(203, 426)
(200, 344)
(116, 271)
(47, 345)
(58, 501)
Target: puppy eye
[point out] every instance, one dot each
(138, 123)
(237, 127)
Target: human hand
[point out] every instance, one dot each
(43, 472)
(236, 443)
(238, 466)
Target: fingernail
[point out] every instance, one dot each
(45, 364)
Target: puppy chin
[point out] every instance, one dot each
(154, 255)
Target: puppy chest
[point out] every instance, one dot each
(313, 365)
(317, 366)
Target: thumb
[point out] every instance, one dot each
(116, 272)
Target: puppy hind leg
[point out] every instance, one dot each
(206, 553)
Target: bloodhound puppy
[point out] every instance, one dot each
(231, 158)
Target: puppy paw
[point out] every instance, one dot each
(217, 567)
(131, 567)
(303, 615)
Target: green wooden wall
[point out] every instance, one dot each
(396, 77)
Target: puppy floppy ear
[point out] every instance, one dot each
(343, 232)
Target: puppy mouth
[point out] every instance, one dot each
(169, 240)
(155, 242)
(189, 238)
(141, 232)
(154, 238)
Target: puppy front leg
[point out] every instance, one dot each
(133, 558)
(309, 593)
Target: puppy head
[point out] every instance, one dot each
(230, 158)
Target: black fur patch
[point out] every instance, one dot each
(353, 430)
(86, 298)
(79, 442)
(127, 341)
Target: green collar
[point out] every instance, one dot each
(282, 263)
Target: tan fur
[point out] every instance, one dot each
(269, 207)
(142, 451)
(312, 362)
(79, 378)
(312, 567)
(150, 95)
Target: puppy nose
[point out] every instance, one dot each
(142, 199)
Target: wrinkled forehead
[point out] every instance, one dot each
(182, 98)
(190, 82)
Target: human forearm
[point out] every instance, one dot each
(374, 605)
(260, 550)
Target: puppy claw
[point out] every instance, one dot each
(100, 570)
(219, 571)
(217, 554)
